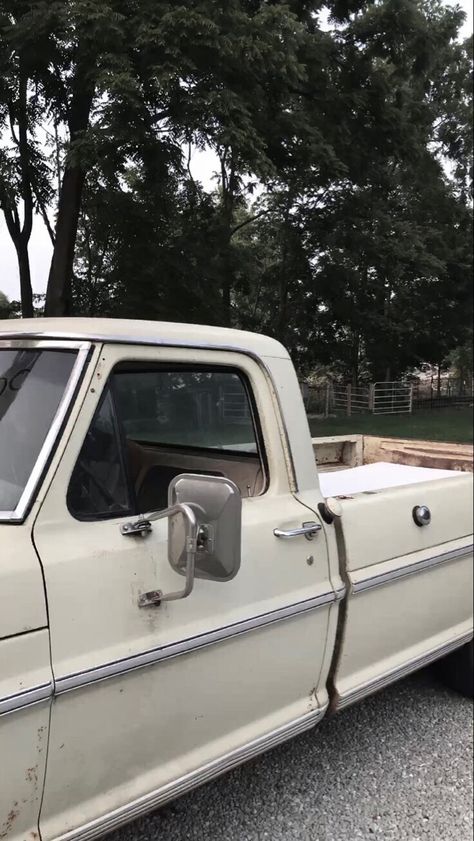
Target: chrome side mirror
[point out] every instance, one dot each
(217, 506)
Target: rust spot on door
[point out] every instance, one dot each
(32, 775)
(6, 826)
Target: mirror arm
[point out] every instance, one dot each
(155, 597)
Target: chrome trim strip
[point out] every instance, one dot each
(82, 348)
(411, 569)
(191, 644)
(155, 799)
(401, 671)
(26, 698)
(114, 338)
(11, 341)
(156, 342)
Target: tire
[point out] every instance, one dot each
(456, 670)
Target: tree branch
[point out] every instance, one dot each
(249, 221)
(188, 164)
(46, 221)
(16, 219)
(13, 228)
(11, 118)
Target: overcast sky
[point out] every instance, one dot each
(203, 166)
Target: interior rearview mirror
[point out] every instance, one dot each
(217, 506)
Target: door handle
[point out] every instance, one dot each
(307, 530)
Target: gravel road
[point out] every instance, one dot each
(397, 766)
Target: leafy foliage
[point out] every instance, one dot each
(340, 220)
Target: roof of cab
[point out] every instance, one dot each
(141, 332)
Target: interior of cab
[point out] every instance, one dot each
(155, 424)
(151, 469)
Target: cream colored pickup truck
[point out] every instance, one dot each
(179, 589)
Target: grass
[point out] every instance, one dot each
(453, 425)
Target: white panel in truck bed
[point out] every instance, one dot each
(374, 477)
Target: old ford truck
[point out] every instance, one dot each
(179, 589)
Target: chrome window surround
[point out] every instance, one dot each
(17, 341)
(249, 394)
(166, 343)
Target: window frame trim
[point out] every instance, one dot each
(143, 367)
(206, 367)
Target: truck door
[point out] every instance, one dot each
(151, 700)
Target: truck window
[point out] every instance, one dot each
(98, 487)
(32, 384)
(169, 421)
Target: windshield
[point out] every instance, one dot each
(32, 383)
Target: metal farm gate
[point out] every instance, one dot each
(235, 406)
(382, 398)
(391, 398)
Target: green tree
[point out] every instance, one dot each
(116, 75)
(4, 306)
(382, 262)
(460, 361)
(24, 174)
(356, 252)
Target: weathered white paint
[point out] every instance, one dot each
(121, 745)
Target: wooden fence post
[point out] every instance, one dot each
(349, 400)
(371, 397)
(326, 406)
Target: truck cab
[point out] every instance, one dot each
(179, 588)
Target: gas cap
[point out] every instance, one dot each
(422, 515)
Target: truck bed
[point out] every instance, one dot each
(340, 452)
(373, 477)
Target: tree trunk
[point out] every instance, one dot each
(58, 292)
(58, 295)
(283, 296)
(20, 241)
(20, 233)
(355, 359)
(229, 188)
(26, 291)
(226, 293)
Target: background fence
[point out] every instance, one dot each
(431, 394)
(348, 400)
(376, 398)
(385, 398)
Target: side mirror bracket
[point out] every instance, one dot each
(153, 598)
(204, 532)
